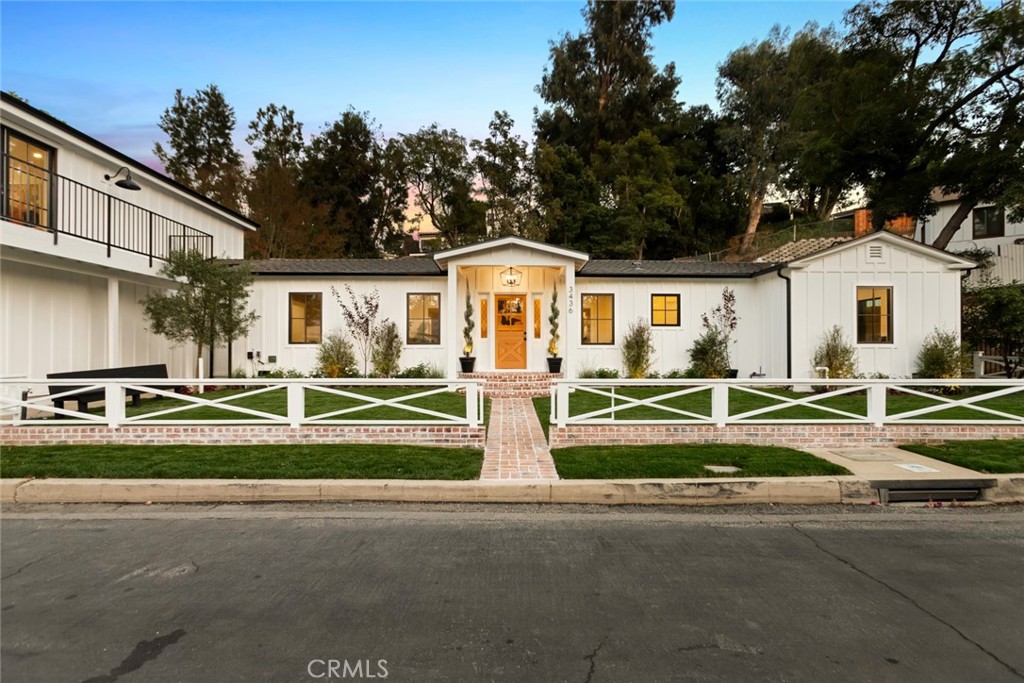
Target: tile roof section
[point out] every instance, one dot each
(800, 248)
(345, 266)
(681, 269)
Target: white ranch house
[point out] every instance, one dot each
(78, 251)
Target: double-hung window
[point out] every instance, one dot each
(988, 221)
(305, 317)
(874, 315)
(598, 312)
(423, 318)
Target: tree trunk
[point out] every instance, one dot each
(753, 219)
(953, 224)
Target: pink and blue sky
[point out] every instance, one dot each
(111, 68)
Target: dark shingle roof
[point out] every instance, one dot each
(683, 269)
(344, 266)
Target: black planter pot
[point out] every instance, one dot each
(467, 363)
(554, 364)
(732, 374)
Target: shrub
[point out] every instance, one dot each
(941, 356)
(335, 357)
(421, 371)
(553, 322)
(467, 330)
(282, 373)
(675, 373)
(709, 355)
(387, 349)
(637, 349)
(837, 354)
(606, 373)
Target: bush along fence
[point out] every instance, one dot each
(413, 411)
(800, 413)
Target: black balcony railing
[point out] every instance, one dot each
(39, 198)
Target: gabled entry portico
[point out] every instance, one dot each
(510, 309)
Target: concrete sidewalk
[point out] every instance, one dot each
(874, 472)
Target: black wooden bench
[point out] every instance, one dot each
(84, 397)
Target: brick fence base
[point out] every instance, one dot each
(411, 435)
(791, 435)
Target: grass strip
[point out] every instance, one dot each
(992, 457)
(343, 461)
(687, 461)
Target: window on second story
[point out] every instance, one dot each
(27, 171)
(989, 221)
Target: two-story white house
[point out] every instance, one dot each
(84, 230)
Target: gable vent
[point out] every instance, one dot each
(876, 253)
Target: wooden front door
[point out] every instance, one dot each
(510, 331)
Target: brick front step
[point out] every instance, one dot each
(514, 384)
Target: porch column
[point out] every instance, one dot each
(113, 322)
(450, 343)
(569, 338)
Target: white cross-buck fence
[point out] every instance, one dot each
(292, 402)
(787, 401)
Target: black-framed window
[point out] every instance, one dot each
(27, 179)
(988, 221)
(874, 315)
(423, 318)
(305, 313)
(598, 318)
(664, 310)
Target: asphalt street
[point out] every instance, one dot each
(299, 593)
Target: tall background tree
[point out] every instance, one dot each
(290, 225)
(441, 176)
(201, 153)
(506, 180)
(940, 67)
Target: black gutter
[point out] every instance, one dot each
(789, 324)
(124, 158)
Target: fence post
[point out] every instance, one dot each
(472, 417)
(562, 399)
(720, 404)
(876, 404)
(296, 404)
(113, 395)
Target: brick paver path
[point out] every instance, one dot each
(516, 448)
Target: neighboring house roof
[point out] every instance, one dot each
(343, 266)
(800, 248)
(895, 240)
(669, 269)
(8, 99)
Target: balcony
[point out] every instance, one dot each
(39, 199)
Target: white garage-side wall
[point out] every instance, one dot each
(925, 295)
(56, 321)
(755, 348)
(269, 336)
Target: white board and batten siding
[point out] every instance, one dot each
(56, 321)
(925, 296)
(760, 305)
(269, 336)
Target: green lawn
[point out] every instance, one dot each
(686, 461)
(699, 403)
(344, 461)
(275, 402)
(994, 457)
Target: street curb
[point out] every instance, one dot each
(778, 490)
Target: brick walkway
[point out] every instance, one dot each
(516, 448)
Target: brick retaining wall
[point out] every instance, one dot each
(792, 435)
(446, 436)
